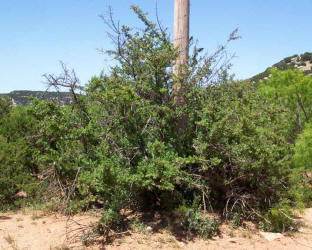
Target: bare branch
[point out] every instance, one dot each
(67, 79)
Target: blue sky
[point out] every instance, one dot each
(37, 34)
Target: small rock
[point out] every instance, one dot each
(232, 241)
(149, 229)
(21, 194)
(181, 244)
(271, 236)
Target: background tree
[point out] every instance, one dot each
(293, 90)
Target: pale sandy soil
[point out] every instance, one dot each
(34, 231)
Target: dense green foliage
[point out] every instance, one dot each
(303, 149)
(15, 156)
(196, 223)
(121, 145)
(306, 56)
(291, 90)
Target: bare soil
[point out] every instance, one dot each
(38, 231)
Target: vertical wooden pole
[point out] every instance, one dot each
(181, 41)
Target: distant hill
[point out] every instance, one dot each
(302, 62)
(20, 97)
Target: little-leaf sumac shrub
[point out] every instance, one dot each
(17, 167)
(15, 173)
(64, 150)
(121, 144)
(160, 171)
(241, 150)
(124, 145)
(5, 107)
(135, 143)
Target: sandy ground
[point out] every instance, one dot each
(35, 231)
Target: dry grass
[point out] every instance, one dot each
(62, 247)
(11, 241)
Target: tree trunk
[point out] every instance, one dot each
(181, 41)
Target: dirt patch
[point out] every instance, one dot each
(36, 231)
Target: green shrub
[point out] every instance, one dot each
(242, 151)
(306, 56)
(17, 167)
(196, 223)
(302, 162)
(303, 149)
(5, 107)
(288, 59)
(279, 220)
(292, 90)
(111, 221)
(236, 219)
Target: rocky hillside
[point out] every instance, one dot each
(302, 62)
(21, 97)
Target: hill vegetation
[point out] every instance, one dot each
(302, 62)
(21, 97)
(120, 146)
